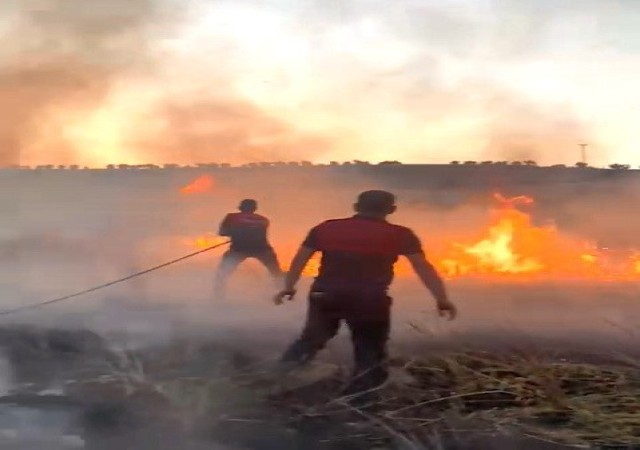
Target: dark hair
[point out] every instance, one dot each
(376, 202)
(248, 205)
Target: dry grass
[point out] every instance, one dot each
(426, 404)
(564, 402)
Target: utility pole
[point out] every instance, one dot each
(583, 153)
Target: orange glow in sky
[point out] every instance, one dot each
(451, 80)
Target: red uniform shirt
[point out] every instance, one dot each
(248, 231)
(359, 252)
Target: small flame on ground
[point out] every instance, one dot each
(200, 185)
(204, 241)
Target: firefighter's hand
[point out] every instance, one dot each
(286, 293)
(447, 309)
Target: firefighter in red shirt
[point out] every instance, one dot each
(248, 234)
(358, 254)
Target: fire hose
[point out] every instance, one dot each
(109, 284)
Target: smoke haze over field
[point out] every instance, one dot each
(95, 82)
(85, 228)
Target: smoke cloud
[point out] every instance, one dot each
(61, 248)
(155, 81)
(65, 55)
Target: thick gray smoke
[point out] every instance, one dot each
(97, 82)
(69, 56)
(85, 228)
(65, 54)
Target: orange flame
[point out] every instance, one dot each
(635, 261)
(200, 185)
(311, 269)
(204, 241)
(511, 247)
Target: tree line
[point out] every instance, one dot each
(527, 163)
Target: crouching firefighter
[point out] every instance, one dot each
(248, 234)
(356, 269)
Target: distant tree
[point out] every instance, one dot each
(454, 163)
(347, 163)
(516, 163)
(470, 163)
(581, 165)
(334, 163)
(361, 163)
(111, 166)
(389, 163)
(619, 166)
(530, 162)
(124, 166)
(501, 163)
(486, 163)
(170, 166)
(306, 163)
(558, 166)
(62, 167)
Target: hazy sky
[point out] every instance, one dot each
(109, 81)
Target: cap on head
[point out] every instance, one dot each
(376, 202)
(248, 205)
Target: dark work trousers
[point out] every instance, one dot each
(367, 314)
(231, 259)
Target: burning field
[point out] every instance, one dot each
(505, 245)
(545, 278)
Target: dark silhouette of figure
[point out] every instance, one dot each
(358, 254)
(248, 234)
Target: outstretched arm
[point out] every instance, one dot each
(298, 264)
(433, 282)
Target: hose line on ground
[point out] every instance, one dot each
(111, 283)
